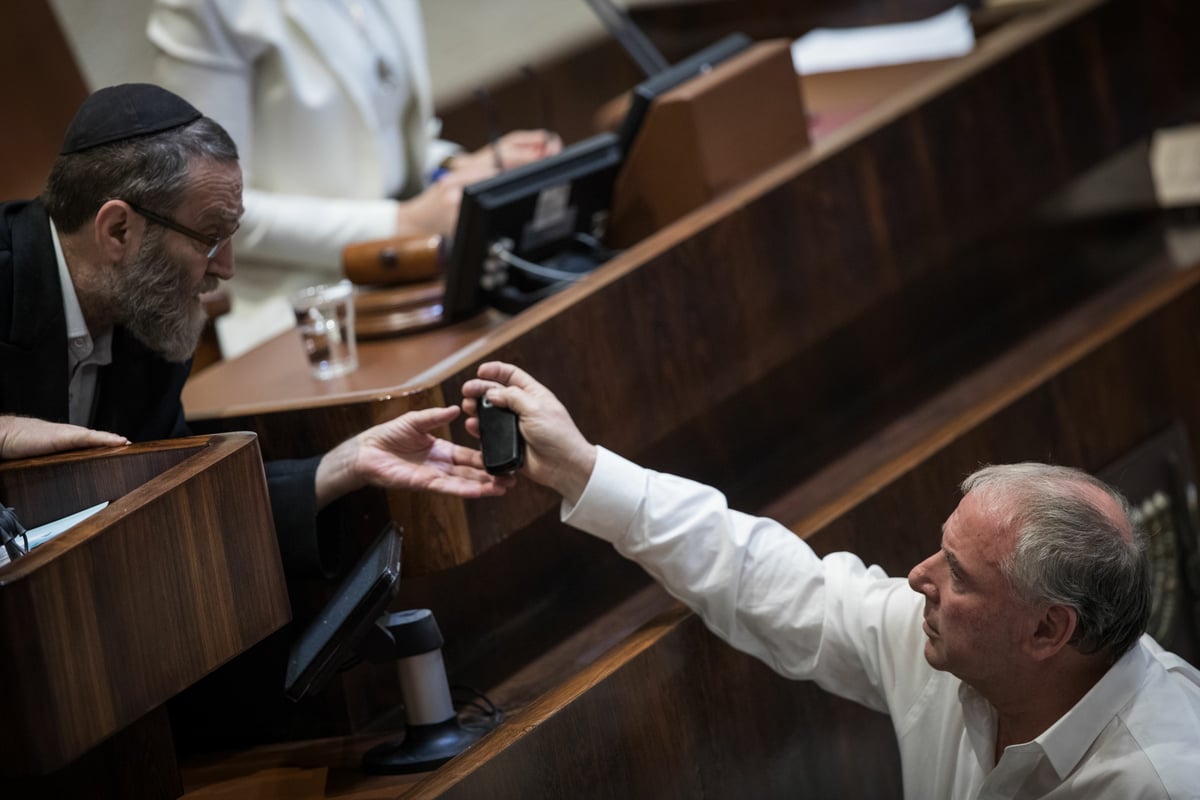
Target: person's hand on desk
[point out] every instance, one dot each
(513, 149)
(435, 210)
(25, 437)
(556, 454)
(404, 454)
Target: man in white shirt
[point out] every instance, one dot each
(1013, 661)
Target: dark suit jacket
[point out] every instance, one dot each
(137, 395)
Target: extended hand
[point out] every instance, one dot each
(556, 454)
(435, 210)
(24, 437)
(511, 150)
(403, 454)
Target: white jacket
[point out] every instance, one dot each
(321, 156)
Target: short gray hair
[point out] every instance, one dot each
(151, 171)
(1072, 551)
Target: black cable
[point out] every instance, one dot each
(596, 246)
(537, 270)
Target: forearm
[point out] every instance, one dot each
(338, 473)
(310, 231)
(753, 581)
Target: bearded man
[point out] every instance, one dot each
(100, 311)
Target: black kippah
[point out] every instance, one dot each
(125, 111)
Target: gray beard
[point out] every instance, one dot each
(156, 305)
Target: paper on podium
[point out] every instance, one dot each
(44, 533)
(946, 35)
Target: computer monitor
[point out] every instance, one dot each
(646, 92)
(527, 233)
(330, 640)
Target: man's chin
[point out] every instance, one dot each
(933, 655)
(175, 346)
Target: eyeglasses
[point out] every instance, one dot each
(214, 243)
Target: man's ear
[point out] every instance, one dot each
(1053, 630)
(117, 228)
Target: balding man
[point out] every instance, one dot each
(1013, 661)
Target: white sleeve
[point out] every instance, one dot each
(310, 231)
(760, 587)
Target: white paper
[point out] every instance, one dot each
(1175, 165)
(946, 35)
(44, 533)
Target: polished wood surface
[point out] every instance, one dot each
(393, 262)
(178, 574)
(275, 376)
(723, 307)
(46, 89)
(673, 712)
(137, 762)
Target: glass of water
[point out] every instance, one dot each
(325, 319)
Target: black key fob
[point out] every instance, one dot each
(500, 439)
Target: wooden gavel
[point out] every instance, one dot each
(393, 262)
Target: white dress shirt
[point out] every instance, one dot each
(857, 633)
(85, 355)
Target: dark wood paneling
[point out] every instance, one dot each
(579, 83)
(675, 713)
(44, 90)
(708, 310)
(136, 763)
(672, 712)
(682, 328)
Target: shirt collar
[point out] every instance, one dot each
(1067, 740)
(76, 327)
(82, 347)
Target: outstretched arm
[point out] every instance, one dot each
(24, 437)
(513, 149)
(556, 454)
(403, 453)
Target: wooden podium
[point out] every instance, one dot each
(707, 136)
(101, 625)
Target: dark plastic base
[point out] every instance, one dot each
(423, 748)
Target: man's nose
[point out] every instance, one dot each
(920, 581)
(221, 264)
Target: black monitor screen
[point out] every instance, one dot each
(330, 639)
(526, 233)
(645, 93)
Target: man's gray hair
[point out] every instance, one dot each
(1071, 550)
(150, 171)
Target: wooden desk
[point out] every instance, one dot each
(755, 341)
(697, 325)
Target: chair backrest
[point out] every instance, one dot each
(39, 104)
